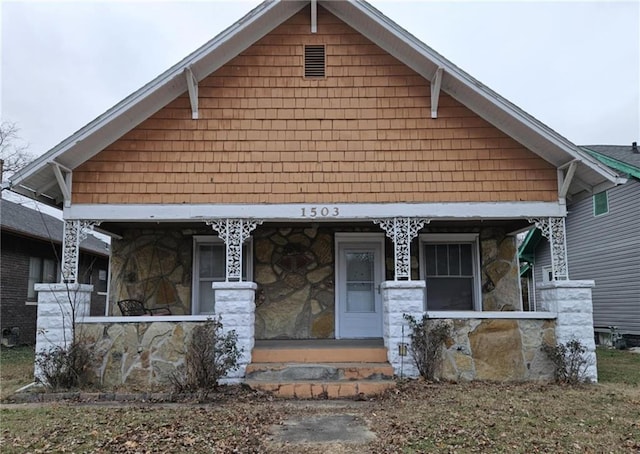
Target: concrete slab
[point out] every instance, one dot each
(336, 428)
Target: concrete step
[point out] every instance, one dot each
(309, 389)
(320, 355)
(284, 372)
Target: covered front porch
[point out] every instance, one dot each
(323, 278)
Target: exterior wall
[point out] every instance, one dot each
(606, 248)
(498, 349)
(268, 135)
(543, 259)
(154, 266)
(294, 270)
(14, 278)
(14, 282)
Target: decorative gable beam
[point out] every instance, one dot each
(64, 182)
(314, 16)
(564, 179)
(436, 83)
(192, 85)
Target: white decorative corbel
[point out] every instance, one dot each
(234, 232)
(436, 83)
(192, 85)
(64, 181)
(402, 231)
(553, 229)
(314, 16)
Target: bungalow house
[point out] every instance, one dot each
(310, 175)
(603, 243)
(29, 254)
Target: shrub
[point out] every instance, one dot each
(571, 363)
(209, 357)
(427, 339)
(65, 367)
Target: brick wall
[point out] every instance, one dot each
(14, 269)
(14, 281)
(268, 135)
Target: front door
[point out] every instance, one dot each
(359, 275)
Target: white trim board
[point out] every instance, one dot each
(317, 212)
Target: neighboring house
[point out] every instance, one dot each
(603, 243)
(30, 254)
(319, 161)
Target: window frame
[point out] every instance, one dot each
(454, 238)
(606, 203)
(247, 250)
(32, 295)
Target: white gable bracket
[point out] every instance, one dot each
(192, 85)
(314, 16)
(436, 83)
(64, 181)
(564, 179)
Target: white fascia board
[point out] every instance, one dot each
(317, 212)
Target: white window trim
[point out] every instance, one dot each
(473, 238)
(195, 267)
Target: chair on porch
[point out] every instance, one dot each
(136, 308)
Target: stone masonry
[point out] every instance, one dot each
(571, 300)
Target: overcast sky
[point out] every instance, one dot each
(573, 65)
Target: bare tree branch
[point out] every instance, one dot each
(13, 151)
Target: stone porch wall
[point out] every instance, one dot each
(498, 349)
(137, 355)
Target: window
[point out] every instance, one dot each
(41, 271)
(314, 61)
(600, 203)
(450, 268)
(547, 274)
(209, 265)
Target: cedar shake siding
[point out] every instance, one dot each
(266, 134)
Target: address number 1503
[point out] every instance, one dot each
(323, 212)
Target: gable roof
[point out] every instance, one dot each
(38, 180)
(623, 158)
(24, 221)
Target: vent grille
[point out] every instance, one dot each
(314, 61)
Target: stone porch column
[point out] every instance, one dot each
(399, 298)
(59, 307)
(235, 304)
(571, 300)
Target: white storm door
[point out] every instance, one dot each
(360, 273)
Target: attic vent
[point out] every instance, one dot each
(314, 61)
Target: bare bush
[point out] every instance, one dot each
(571, 363)
(427, 340)
(209, 357)
(63, 368)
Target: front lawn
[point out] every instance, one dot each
(16, 368)
(618, 366)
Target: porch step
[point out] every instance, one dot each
(309, 352)
(329, 369)
(283, 372)
(309, 389)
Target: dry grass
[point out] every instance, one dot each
(416, 417)
(16, 369)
